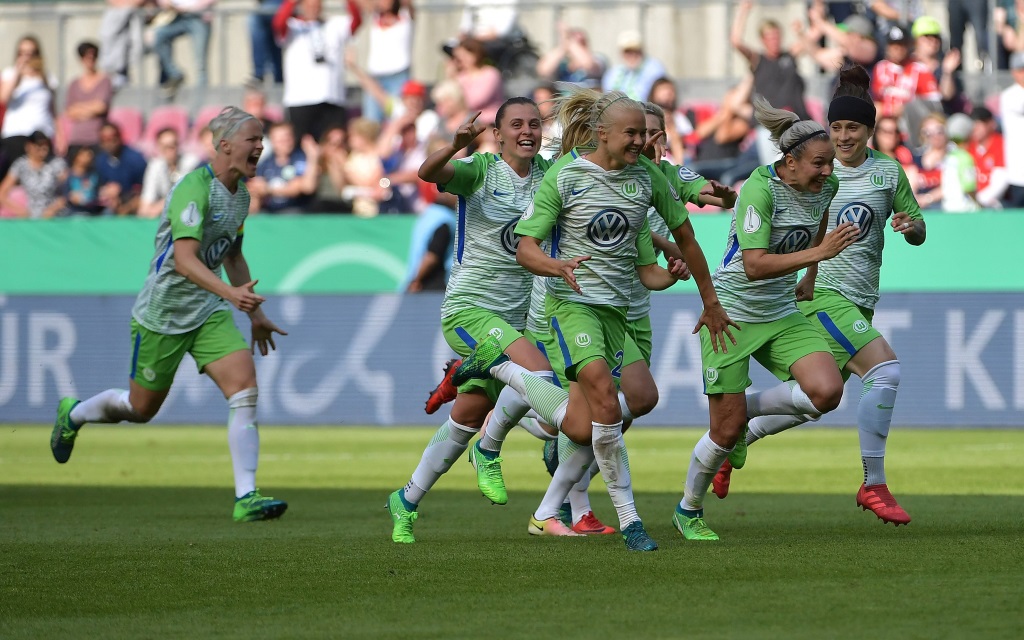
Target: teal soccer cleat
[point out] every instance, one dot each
(487, 354)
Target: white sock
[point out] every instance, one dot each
(508, 410)
(573, 462)
(244, 439)
(784, 399)
(547, 399)
(626, 413)
(762, 426)
(579, 495)
(532, 426)
(110, 406)
(447, 446)
(874, 417)
(704, 463)
(610, 453)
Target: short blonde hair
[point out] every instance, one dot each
(227, 123)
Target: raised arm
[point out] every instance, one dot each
(436, 168)
(739, 24)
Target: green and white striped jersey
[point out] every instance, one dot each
(199, 206)
(485, 274)
(688, 185)
(601, 214)
(867, 195)
(769, 215)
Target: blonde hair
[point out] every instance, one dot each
(652, 109)
(582, 112)
(789, 133)
(227, 123)
(365, 127)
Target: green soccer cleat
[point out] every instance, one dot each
(738, 455)
(565, 514)
(402, 518)
(62, 439)
(252, 506)
(488, 475)
(636, 538)
(692, 528)
(478, 365)
(550, 456)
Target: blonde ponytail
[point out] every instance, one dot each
(580, 112)
(788, 131)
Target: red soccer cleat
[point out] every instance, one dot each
(445, 391)
(591, 526)
(882, 504)
(720, 485)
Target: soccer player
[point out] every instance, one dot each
(597, 195)
(184, 308)
(487, 296)
(839, 295)
(778, 228)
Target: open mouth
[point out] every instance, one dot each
(253, 160)
(845, 148)
(527, 143)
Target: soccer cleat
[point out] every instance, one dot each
(488, 475)
(252, 506)
(878, 499)
(720, 484)
(738, 455)
(477, 365)
(445, 391)
(550, 456)
(565, 514)
(692, 528)
(402, 518)
(589, 525)
(549, 527)
(62, 439)
(636, 538)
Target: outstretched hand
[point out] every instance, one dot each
(650, 147)
(263, 331)
(725, 193)
(568, 271)
(718, 322)
(468, 132)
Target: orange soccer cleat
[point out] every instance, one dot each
(720, 485)
(589, 525)
(445, 391)
(882, 504)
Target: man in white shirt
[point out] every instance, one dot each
(1011, 108)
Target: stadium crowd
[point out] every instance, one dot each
(326, 153)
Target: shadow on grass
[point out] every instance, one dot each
(169, 562)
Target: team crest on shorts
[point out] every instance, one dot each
(582, 340)
(496, 332)
(861, 326)
(711, 374)
(149, 374)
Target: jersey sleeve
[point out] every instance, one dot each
(687, 183)
(664, 197)
(469, 175)
(540, 217)
(645, 253)
(903, 199)
(190, 202)
(754, 210)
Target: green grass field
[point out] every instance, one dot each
(133, 539)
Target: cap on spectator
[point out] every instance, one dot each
(413, 88)
(898, 34)
(926, 26)
(631, 40)
(959, 126)
(860, 25)
(1017, 60)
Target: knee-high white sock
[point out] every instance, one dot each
(874, 417)
(704, 463)
(610, 453)
(447, 446)
(532, 426)
(579, 495)
(244, 439)
(784, 399)
(108, 406)
(762, 426)
(573, 462)
(546, 398)
(626, 413)
(508, 411)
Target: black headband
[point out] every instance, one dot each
(802, 139)
(853, 109)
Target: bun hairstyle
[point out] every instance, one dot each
(789, 133)
(852, 98)
(581, 112)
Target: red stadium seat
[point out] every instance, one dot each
(165, 117)
(129, 121)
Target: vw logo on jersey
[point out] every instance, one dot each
(608, 228)
(509, 239)
(796, 240)
(859, 214)
(217, 250)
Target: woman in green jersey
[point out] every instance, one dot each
(839, 295)
(778, 228)
(184, 308)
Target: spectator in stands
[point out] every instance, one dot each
(853, 40)
(333, 156)
(962, 13)
(1005, 23)
(677, 126)
(572, 60)
(87, 102)
(928, 50)
(1011, 110)
(719, 154)
(888, 139)
(775, 72)
(364, 169)
(162, 172)
(27, 92)
(314, 64)
(389, 61)
(450, 107)
(410, 104)
(121, 170)
(636, 74)
(401, 167)
(544, 96)
(481, 83)
(433, 240)
(904, 87)
(121, 35)
(491, 22)
(959, 173)
(204, 149)
(933, 155)
(186, 17)
(286, 180)
(266, 53)
(890, 12)
(82, 187)
(40, 175)
(986, 147)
